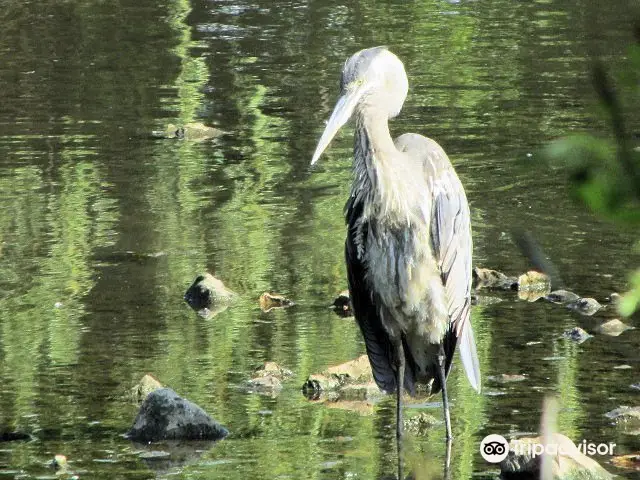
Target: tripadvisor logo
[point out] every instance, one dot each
(495, 448)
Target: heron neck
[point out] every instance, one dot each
(374, 151)
(373, 137)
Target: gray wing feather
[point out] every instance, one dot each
(451, 240)
(451, 243)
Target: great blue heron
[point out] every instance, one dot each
(408, 247)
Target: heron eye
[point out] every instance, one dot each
(355, 83)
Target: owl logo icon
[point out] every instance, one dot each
(494, 448)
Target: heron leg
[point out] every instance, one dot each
(399, 422)
(445, 398)
(445, 405)
(447, 461)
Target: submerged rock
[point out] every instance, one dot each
(342, 304)
(205, 291)
(584, 306)
(171, 454)
(269, 301)
(13, 436)
(155, 455)
(195, 131)
(627, 418)
(484, 300)
(507, 378)
(421, 424)
(567, 460)
(562, 296)
(614, 298)
(268, 379)
(147, 384)
(613, 328)
(273, 369)
(268, 385)
(577, 334)
(627, 462)
(487, 278)
(337, 378)
(166, 416)
(624, 414)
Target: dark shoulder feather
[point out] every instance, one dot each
(379, 349)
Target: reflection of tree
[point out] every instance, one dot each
(43, 320)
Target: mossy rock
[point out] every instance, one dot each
(269, 301)
(207, 291)
(492, 279)
(147, 384)
(194, 131)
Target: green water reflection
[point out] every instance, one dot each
(102, 228)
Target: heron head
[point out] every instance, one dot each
(373, 77)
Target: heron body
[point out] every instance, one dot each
(408, 247)
(396, 264)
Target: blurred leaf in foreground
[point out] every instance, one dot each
(605, 173)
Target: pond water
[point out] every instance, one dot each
(102, 228)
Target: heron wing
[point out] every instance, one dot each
(379, 348)
(451, 245)
(451, 242)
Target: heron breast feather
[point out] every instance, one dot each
(405, 279)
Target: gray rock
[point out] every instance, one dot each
(613, 328)
(576, 334)
(562, 296)
(166, 416)
(205, 291)
(584, 306)
(626, 418)
(624, 414)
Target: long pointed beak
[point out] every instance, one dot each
(341, 114)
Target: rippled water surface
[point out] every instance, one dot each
(102, 228)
